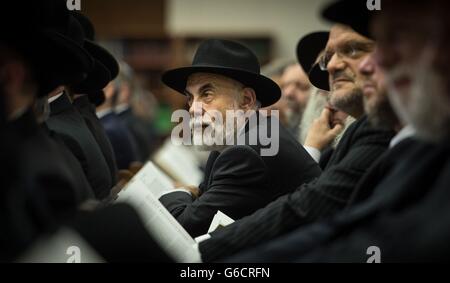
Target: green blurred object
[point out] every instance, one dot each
(162, 122)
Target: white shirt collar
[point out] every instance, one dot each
(407, 132)
(104, 112)
(121, 108)
(51, 99)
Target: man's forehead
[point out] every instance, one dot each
(293, 71)
(340, 34)
(198, 80)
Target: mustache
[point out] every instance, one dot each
(341, 75)
(200, 123)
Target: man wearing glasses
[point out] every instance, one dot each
(360, 147)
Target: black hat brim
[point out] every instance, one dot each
(103, 55)
(267, 91)
(96, 80)
(58, 61)
(309, 47)
(351, 13)
(106, 68)
(319, 78)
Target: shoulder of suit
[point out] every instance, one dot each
(239, 154)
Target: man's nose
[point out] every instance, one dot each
(196, 108)
(335, 64)
(288, 91)
(367, 66)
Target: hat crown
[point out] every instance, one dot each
(86, 24)
(226, 54)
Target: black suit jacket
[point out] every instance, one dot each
(38, 189)
(360, 146)
(288, 248)
(142, 132)
(407, 217)
(87, 110)
(68, 123)
(83, 188)
(123, 143)
(240, 180)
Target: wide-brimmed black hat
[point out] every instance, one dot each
(54, 58)
(106, 67)
(97, 51)
(230, 59)
(353, 13)
(308, 49)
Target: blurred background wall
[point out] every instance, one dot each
(285, 21)
(155, 35)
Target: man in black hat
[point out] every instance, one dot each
(122, 140)
(40, 190)
(359, 148)
(411, 199)
(109, 67)
(70, 125)
(239, 179)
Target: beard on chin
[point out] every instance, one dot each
(208, 135)
(381, 115)
(349, 103)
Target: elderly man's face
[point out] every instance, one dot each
(209, 93)
(344, 52)
(413, 50)
(295, 87)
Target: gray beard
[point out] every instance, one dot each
(351, 103)
(383, 116)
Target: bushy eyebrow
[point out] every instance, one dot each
(203, 88)
(365, 45)
(206, 87)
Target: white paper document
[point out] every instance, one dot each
(180, 163)
(142, 192)
(220, 220)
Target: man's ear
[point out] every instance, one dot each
(248, 98)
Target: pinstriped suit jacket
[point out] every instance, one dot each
(330, 193)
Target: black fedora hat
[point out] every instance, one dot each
(99, 53)
(308, 49)
(54, 58)
(230, 59)
(100, 74)
(353, 13)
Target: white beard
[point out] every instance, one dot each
(426, 106)
(218, 134)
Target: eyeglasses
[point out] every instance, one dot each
(351, 50)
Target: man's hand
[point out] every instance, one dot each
(320, 134)
(193, 189)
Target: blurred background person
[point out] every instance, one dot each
(123, 142)
(295, 89)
